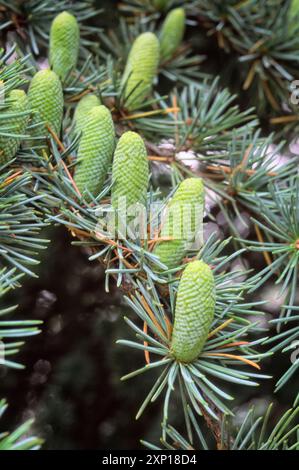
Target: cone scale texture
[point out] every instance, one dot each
(186, 202)
(194, 311)
(64, 44)
(46, 102)
(172, 33)
(82, 109)
(14, 125)
(141, 69)
(130, 172)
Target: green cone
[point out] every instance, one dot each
(95, 151)
(64, 44)
(130, 171)
(293, 14)
(184, 206)
(194, 311)
(46, 101)
(82, 109)
(172, 33)
(141, 69)
(15, 125)
(160, 4)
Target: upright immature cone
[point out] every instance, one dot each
(46, 101)
(294, 9)
(14, 125)
(130, 171)
(82, 109)
(172, 33)
(183, 212)
(64, 44)
(194, 311)
(95, 151)
(141, 69)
